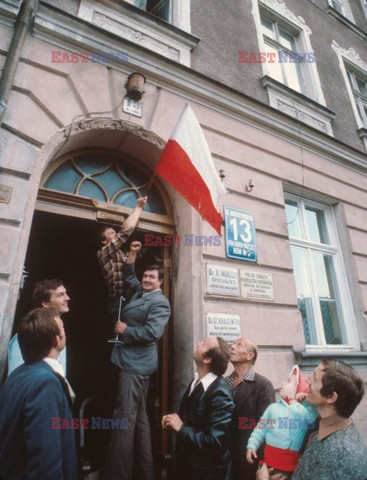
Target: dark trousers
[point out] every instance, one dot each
(130, 450)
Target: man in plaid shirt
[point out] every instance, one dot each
(112, 259)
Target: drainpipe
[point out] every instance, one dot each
(22, 27)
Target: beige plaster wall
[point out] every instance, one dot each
(47, 97)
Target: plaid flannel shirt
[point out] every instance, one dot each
(112, 259)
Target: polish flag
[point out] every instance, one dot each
(187, 165)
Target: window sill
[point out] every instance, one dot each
(140, 27)
(345, 21)
(298, 105)
(362, 132)
(312, 359)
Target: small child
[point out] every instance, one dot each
(283, 426)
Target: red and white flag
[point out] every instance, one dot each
(187, 165)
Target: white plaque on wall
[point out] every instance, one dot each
(222, 280)
(256, 285)
(223, 325)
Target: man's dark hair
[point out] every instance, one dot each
(36, 332)
(345, 382)
(42, 291)
(101, 237)
(155, 267)
(219, 356)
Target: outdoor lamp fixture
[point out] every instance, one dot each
(222, 175)
(250, 186)
(134, 86)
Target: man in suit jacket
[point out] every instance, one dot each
(33, 399)
(252, 394)
(203, 422)
(142, 325)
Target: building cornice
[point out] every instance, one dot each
(69, 32)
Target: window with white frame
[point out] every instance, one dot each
(287, 67)
(364, 7)
(322, 292)
(133, 25)
(291, 77)
(342, 7)
(358, 85)
(338, 5)
(159, 8)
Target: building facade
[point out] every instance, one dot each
(280, 91)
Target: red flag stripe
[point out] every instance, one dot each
(176, 167)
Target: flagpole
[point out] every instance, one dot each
(150, 184)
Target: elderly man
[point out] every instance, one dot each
(204, 419)
(336, 451)
(252, 394)
(34, 398)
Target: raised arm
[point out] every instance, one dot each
(133, 218)
(109, 249)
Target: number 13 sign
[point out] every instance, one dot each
(240, 234)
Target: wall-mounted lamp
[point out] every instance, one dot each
(134, 86)
(222, 174)
(250, 186)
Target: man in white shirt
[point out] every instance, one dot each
(203, 422)
(47, 294)
(33, 400)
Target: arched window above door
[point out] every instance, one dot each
(107, 178)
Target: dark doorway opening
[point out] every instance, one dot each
(65, 247)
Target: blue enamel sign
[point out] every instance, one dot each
(240, 234)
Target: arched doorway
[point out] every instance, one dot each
(78, 190)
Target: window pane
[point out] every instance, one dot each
(91, 190)
(287, 40)
(267, 28)
(293, 219)
(91, 164)
(338, 5)
(362, 86)
(275, 69)
(138, 3)
(293, 75)
(316, 225)
(64, 179)
(160, 8)
(305, 302)
(362, 109)
(323, 265)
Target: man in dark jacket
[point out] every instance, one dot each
(252, 394)
(36, 437)
(204, 419)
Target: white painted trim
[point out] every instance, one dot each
(349, 326)
(347, 11)
(352, 57)
(135, 28)
(292, 105)
(58, 29)
(309, 70)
